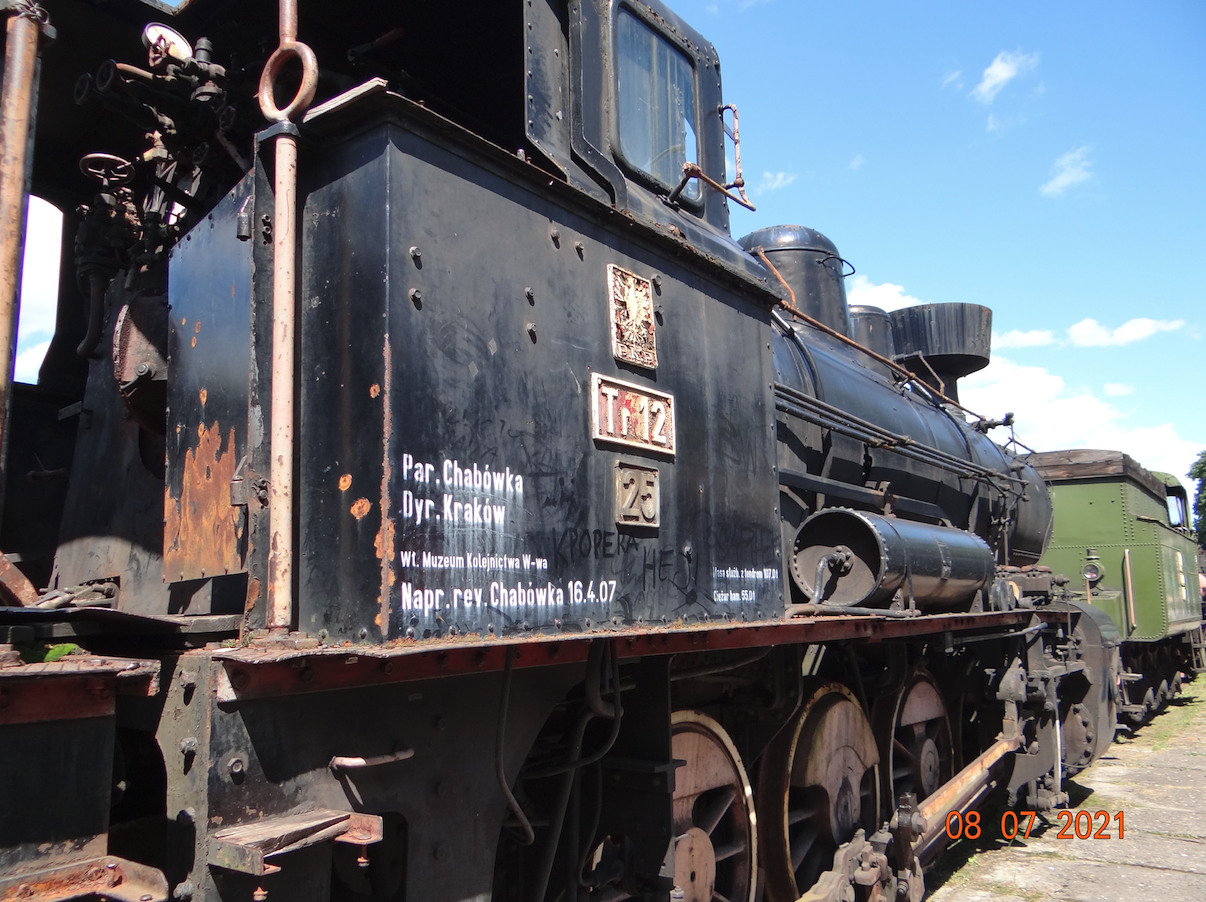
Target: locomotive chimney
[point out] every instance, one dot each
(942, 343)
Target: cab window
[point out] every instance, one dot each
(656, 104)
(1177, 508)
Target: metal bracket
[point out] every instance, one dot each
(644, 776)
(246, 848)
(108, 877)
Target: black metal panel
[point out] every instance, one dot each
(67, 803)
(112, 525)
(35, 479)
(209, 283)
(438, 362)
(447, 792)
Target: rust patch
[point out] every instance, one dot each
(361, 507)
(374, 390)
(204, 394)
(14, 586)
(194, 341)
(384, 543)
(197, 326)
(345, 482)
(202, 531)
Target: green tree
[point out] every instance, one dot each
(1198, 472)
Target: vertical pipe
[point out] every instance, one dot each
(16, 112)
(280, 520)
(1130, 590)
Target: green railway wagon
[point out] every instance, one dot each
(1121, 535)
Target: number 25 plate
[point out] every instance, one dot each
(631, 415)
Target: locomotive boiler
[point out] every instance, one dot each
(425, 497)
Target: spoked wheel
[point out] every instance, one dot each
(919, 756)
(818, 783)
(714, 827)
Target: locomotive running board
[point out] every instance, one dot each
(274, 670)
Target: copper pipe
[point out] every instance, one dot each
(280, 556)
(284, 313)
(288, 21)
(16, 114)
(1130, 590)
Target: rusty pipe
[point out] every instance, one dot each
(288, 21)
(284, 313)
(959, 791)
(284, 230)
(16, 114)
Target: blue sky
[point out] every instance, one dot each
(1046, 160)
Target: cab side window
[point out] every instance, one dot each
(656, 104)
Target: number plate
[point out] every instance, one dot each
(638, 502)
(628, 414)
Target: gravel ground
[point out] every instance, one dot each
(1156, 777)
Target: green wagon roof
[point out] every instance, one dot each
(1082, 463)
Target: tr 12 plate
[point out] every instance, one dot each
(631, 415)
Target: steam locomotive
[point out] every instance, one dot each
(425, 497)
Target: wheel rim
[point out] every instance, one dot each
(919, 757)
(715, 853)
(818, 783)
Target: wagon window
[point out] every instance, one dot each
(656, 89)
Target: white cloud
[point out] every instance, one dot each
(1006, 67)
(861, 290)
(1118, 389)
(28, 362)
(773, 181)
(953, 77)
(1070, 169)
(1016, 338)
(1050, 416)
(857, 162)
(992, 125)
(1088, 333)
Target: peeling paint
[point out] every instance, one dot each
(384, 543)
(203, 531)
(204, 394)
(360, 507)
(345, 482)
(374, 390)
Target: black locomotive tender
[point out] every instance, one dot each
(446, 507)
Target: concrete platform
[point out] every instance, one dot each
(1156, 777)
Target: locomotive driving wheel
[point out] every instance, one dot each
(818, 784)
(915, 738)
(716, 841)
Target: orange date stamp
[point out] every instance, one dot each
(1075, 824)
